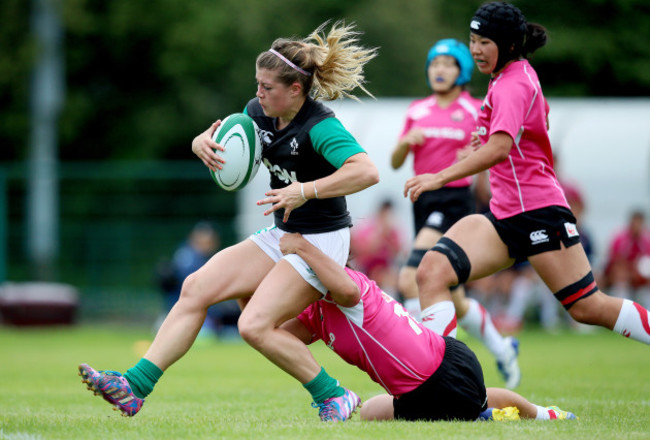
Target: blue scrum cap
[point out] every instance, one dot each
(459, 51)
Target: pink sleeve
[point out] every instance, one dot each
(308, 317)
(510, 107)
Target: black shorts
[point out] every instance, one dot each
(442, 208)
(537, 231)
(455, 391)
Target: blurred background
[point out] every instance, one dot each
(99, 103)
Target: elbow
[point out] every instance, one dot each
(372, 176)
(349, 297)
(499, 156)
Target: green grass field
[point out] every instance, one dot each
(227, 390)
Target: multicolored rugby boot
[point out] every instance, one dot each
(509, 367)
(338, 409)
(113, 387)
(559, 414)
(509, 413)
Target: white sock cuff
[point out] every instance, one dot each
(473, 313)
(542, 413)
(438, 307)
(628, 305)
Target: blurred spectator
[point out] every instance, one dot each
(377, 246)
(627, 266)
(202, 243)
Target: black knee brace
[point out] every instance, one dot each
(457, 257)
(577, 291)
(415, 257)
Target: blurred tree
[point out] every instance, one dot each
(143, 79)
(17, 52)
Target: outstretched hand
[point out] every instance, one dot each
(416, 185)
(287, 198)
(203, 146)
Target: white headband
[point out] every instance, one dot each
(286, 60)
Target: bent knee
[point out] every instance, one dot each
(191, 291)
(251, 328)
(435, 270)
(198, 293)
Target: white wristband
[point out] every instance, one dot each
(315, 191)
(302, 192)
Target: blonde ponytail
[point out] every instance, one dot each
(328, 66)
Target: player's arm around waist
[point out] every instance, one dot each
(343, 290)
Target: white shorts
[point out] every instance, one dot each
(335, 244)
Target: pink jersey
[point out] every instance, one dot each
(516, 106)
(628, 249)
(378, 336)
(446, 130)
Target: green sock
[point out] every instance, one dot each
(143, 377)
(323, 386)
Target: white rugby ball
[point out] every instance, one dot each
(239, 135)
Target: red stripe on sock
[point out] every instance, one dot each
(578, 294)
(552, 414)
(643, 315)
(452, 325)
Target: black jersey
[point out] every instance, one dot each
(312, 146)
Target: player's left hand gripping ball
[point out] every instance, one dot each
(239, 135)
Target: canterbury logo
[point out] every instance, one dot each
(266, 137)
(475, 24)
(537, 237)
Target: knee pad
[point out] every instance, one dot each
(456, 256)
(415, 257)
(577, 291)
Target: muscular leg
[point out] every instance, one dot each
(282, 295)
(247, 265)
(406, 283)
(566, 266)
(480, 243)
(478, 240)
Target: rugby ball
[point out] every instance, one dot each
(238, 134)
